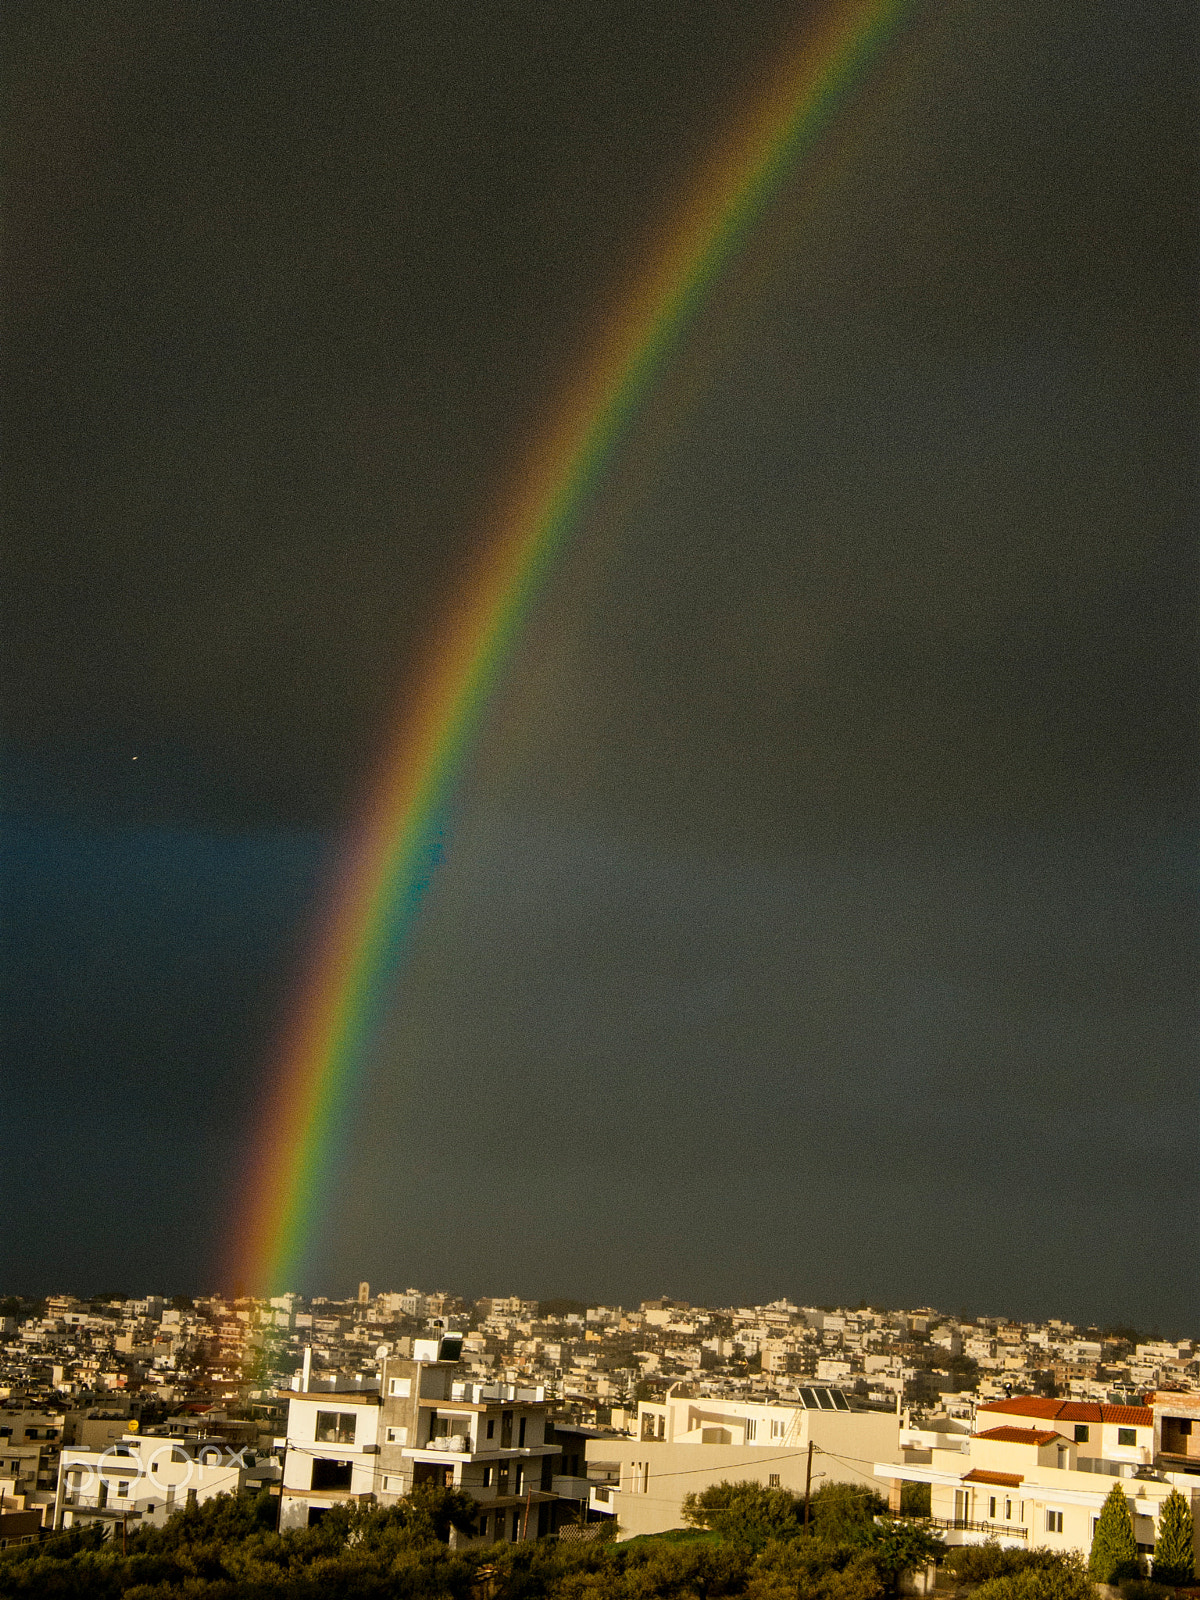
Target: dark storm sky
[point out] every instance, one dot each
(820, 915)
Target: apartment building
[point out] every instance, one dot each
(425, 1425)
(684, 1444)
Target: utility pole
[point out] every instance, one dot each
(808, 1484)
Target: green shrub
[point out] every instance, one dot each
(1144, 1589)
(976, 1563)
(1062, 1577)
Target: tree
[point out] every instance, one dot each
(916, 1500)
(898, 1547)
(845, 1512)
(1114, 1548)
(1174, 1549)
(746, 1512)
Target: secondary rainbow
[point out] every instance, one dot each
(390, 861)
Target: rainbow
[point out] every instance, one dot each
(397, 843)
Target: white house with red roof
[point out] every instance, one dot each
(1036, 1472)
(1120, 1434)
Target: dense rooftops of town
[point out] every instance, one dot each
(592, 1358)
(83, 1374)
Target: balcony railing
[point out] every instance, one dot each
(455, 1443)
(1004, 1530)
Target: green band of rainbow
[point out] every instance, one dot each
(397, 844)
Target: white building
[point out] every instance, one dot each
(1036, 1472)
(686, 1444)
(427, 1425)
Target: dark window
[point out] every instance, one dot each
(521, 1435)
(547, 1472)
(487, 1477)
(500, 1524)
(773, 1480)
(315, 1513)
(502, 1478)
(506, 1430)
(1081, 1433)
(1126, 1436)
(335, 1427)
(331, 1474)
(518, 1477)
(491, 1433)
(1185, 1427)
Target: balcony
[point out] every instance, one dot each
(452, 1443)
(991, 1530)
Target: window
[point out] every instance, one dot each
(1126, 1437)
(397, 1436)
(1054, 1521)
(122, 1491)
(777, 1430)
(401, 1388)
(335, 1427)
(491, 1429)
(487, 1477)
(773, 1481)
(1008, 1511)
(500, 1516)
(506, 1430)
(518, 1476)
(330, 1474)
(1081, 1433)
(751, 1429)
(1185, 1427)
(991, 1508)
(521, 1435)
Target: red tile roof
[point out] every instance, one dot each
(1130, 1416)
(1007, 1480)
(1038, 1436)
(1036, 1405)
(1026, 1405)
